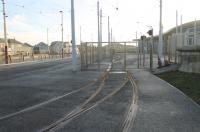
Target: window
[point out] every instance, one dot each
(190, 41)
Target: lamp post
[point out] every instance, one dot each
(61, 12)
(160, 45)
(74, 59)
(5, 33)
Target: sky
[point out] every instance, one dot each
(28, 20)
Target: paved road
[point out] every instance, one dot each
(24, 86)
(34, 96)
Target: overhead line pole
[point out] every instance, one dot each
(48, 40)
(80, 35)
(101, 28)
(195, 32)
(160, 45)
(62, 33)
(176, 36)
(112, 47)
(5, 33)
(181, 30)
(137, 44)
(98, 25)
(74, 59)
(109, 35)
(47, 36)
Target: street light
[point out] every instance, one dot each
(5, 33)
(61, 12)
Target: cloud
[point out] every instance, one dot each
(18, 23)
(18, 27)
(34, 37)
(31, 25)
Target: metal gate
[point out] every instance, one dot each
(118, 55)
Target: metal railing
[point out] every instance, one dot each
(17, 58)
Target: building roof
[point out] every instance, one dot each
(11, 41)
(41, 44)
(185, 25)
(14, 41)
(1, 40)
(54, 43)
(26, 44)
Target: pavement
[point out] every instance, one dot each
(171, 67)
(162, 107)
(11, 65)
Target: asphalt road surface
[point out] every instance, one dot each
(50, 97)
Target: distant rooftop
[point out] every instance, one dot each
(11, 41)
(26, 44)
(184, 25)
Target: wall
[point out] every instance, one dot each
(189, 59)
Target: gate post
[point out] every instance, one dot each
(124, 56)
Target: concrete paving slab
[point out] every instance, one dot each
(163, 108)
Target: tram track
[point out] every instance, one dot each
(37, 106)
(89, 104)
(131, 114)
(89, 96)
(79, 109)
(63, 104)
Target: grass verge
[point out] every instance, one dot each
(189, 83)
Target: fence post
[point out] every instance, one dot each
(33, 57)
(81, 54)
(90, 53)
(86, 55)
(10, 58)
(124, 56)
